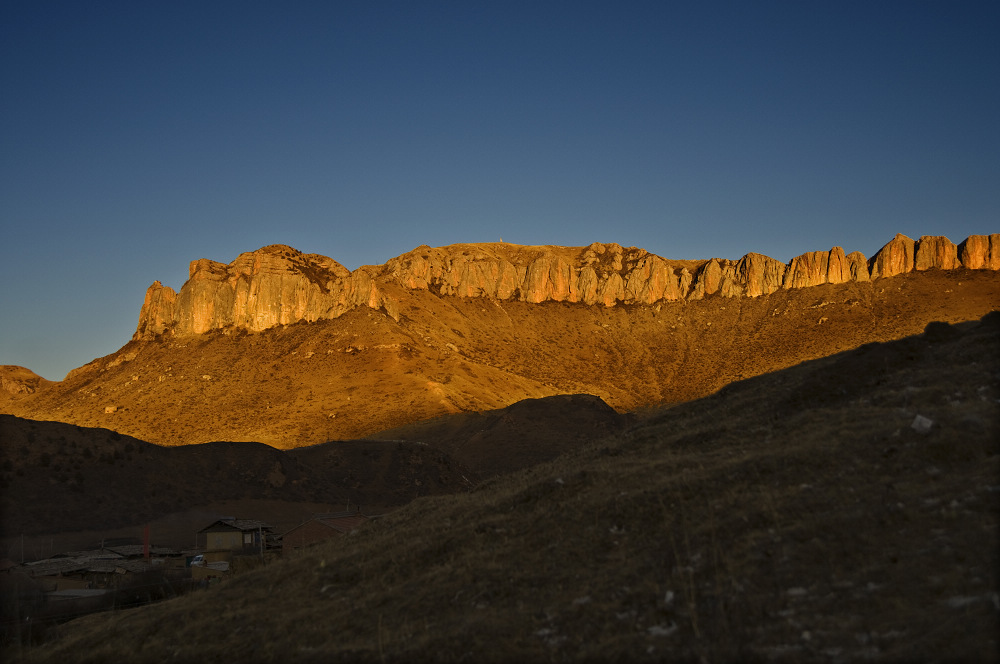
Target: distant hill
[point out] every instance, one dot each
(842, 509)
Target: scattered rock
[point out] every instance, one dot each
(662, 630)
(922, 424)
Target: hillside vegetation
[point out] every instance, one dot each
(838, 510)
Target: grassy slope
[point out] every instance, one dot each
(796, 515)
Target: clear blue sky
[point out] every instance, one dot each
(138, 136)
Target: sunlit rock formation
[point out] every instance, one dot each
(277, 285)
(980, 252)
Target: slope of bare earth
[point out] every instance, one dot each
(842, 509)
(364, 372)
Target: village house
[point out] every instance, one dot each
(321, 527)
(231, 535)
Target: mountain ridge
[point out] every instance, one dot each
(278, 285)
(365, 372)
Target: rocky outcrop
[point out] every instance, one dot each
(894, 258)
(818, 267)
(277, 285)
(857, 264)
(980, 252)
(15, 380)
(935, 252)
(762, 275)
(157, 314)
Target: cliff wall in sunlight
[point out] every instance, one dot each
(277, 285)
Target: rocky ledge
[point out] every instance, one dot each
(278, 285)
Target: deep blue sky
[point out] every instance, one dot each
(138, 136)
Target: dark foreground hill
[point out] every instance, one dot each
(843, 509)
(518, 436)
(60, 478)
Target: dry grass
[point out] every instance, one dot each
(795, 516)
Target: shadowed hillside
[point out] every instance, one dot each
(842, 509)
(523, 434)
(59, 478)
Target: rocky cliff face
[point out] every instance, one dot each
(277, 285)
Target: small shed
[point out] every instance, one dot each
(236, 535)
(321, 527)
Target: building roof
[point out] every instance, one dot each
(242, 525)
(342, 522)
(97, 564)
(119, 566)
(54, 566)
(90, 554)
(129, 550)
